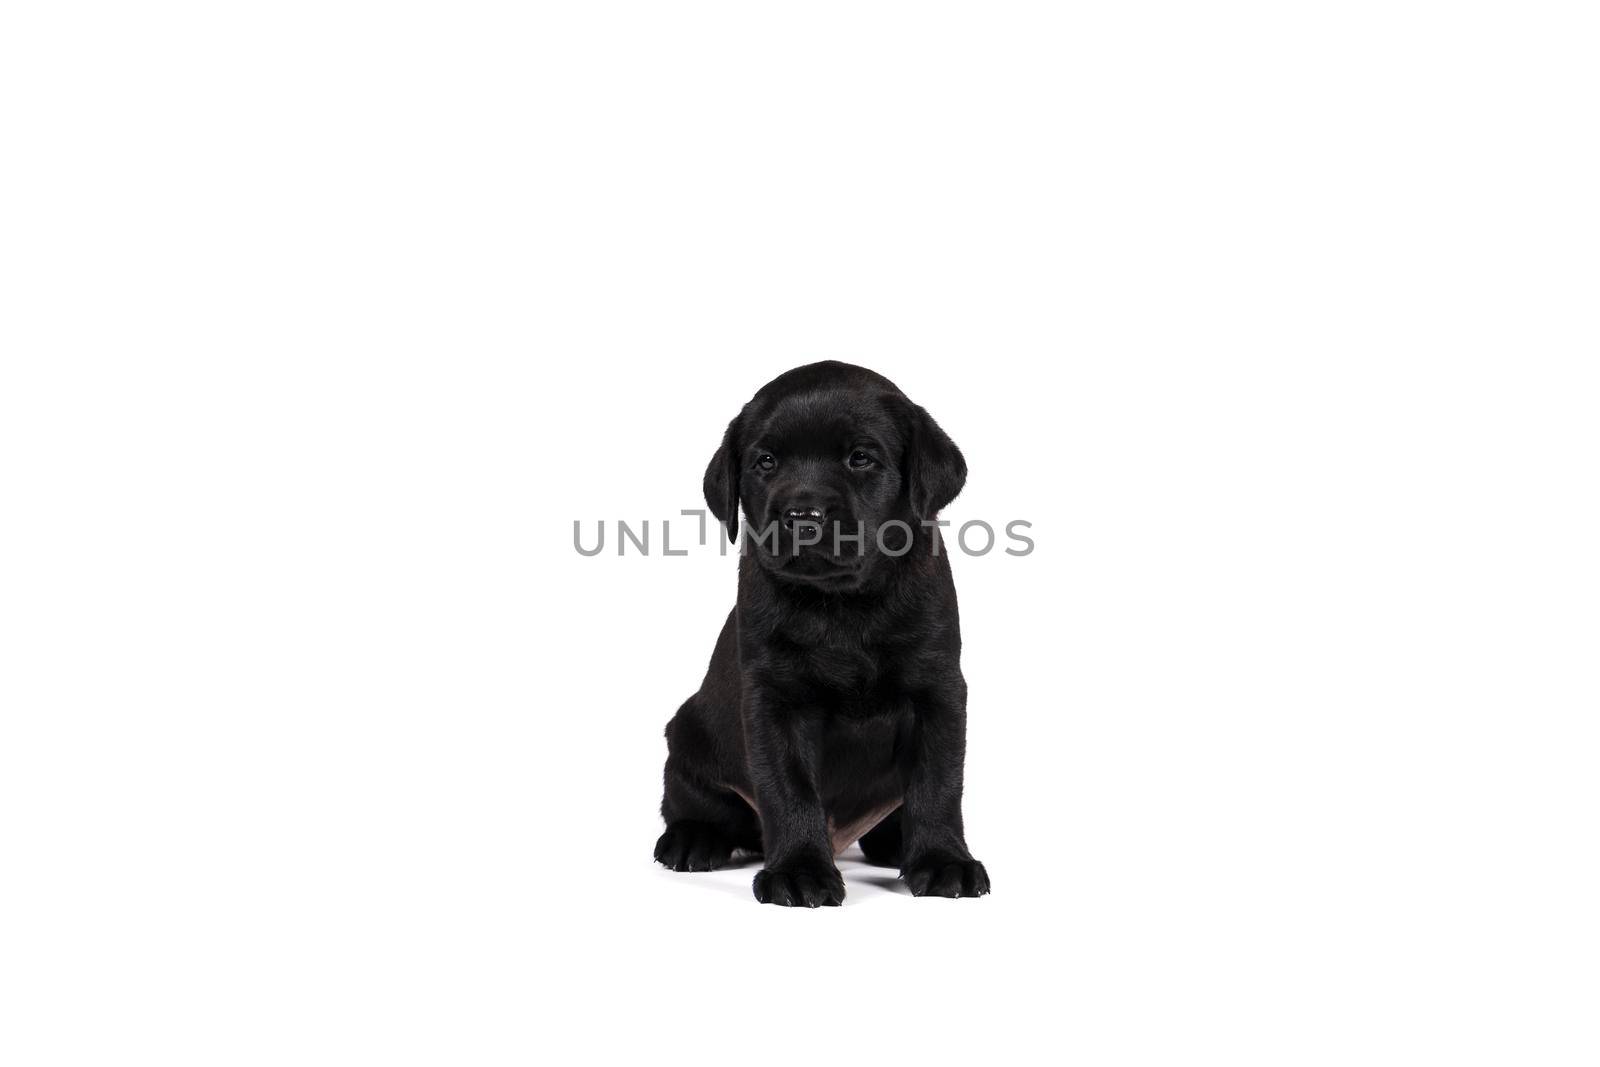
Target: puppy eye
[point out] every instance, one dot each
(765, 462)
(859, 460)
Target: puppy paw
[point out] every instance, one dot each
(946, 878)
(800, 886)
(693, 846)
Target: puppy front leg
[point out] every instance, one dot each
(785, 752)
(935, 860)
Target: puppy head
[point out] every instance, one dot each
(818, 461)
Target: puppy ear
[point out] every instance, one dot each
(936, 470)
(722, 481)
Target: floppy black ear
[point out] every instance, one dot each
(722, 481)
(936, 470)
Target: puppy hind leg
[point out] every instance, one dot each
(704, 825)
(880, 846)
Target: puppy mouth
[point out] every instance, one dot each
(815, 570)
(840, 542)
(814, 565)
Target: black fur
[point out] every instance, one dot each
(835, 691)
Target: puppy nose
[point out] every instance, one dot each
(802, 514)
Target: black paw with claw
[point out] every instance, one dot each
(693, 846)
(946, 877)
(800, 885)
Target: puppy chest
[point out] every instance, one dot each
(852, 670)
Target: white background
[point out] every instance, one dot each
(323, 322)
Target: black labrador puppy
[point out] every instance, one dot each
(834, 708)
